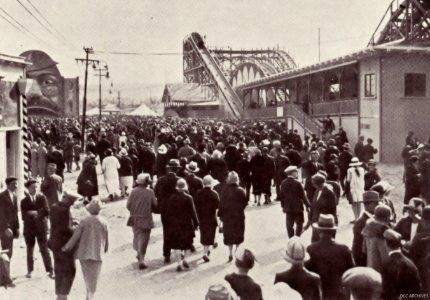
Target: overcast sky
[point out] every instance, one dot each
(160, 25)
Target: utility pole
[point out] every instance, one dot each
(102, 72)
(86, 60)
(119, 99)
(319, 44)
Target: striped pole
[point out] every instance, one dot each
(25, 139)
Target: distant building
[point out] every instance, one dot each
(191, 100)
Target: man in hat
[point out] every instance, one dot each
(194, 182)
(269, 171)
(56, 157)
(9, 224)
(308, 284)
(399, 274)
(125, 172)
(186, 150)
(419, 251)
(345, 157)
(368, 151)
(331, 149)
(293, 198)
(243, 285)
(363, 283)
(52, 185)
(412, 179)
(147, 159)
(309, 169)
(328, 258)
(370, 201)
(407, 225)
(358, 149)
(324, 202)
(374, 245)
(61, 231)
(281, 163)
(35, 212)
(372, 176)
(164, 188)
(101, 146)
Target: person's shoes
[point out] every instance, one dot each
(206, 258)
(51, 275)
(209, 253)
(258, 204)
(142, 266)
(215, 245)
(193, 249)
(185, 264)
(77, 169)
(178, 269)
(167, 260)
(28, 275)
(230, 258)
(10, 285)
(352, 222)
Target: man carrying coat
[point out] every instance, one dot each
(293, 198)
(35, 211)
(9, 224)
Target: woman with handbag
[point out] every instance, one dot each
(140, 204)
(87, 179)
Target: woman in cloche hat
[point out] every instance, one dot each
(354, 186)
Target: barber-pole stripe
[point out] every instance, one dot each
(25, 139)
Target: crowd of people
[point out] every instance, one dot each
(200, 175)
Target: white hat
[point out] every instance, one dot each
(142, 178)
(276, 143)
(162, 149)
(355, 162)
(290, 169)
(123, 133)
(192, 167)
(208, 181)
(265, 142)
(295, 252)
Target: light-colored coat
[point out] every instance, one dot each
(91, 238)
(356, 183)
(110, 166)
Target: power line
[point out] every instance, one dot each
(26, 31)
(49, 23)
(38, 21)
(139, 53)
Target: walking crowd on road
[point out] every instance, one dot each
(200, 176)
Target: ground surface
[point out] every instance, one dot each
(265, 235)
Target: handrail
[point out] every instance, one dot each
(237, 111)
(310, 124)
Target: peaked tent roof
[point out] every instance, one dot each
(143, 110)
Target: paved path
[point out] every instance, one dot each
(265, 236)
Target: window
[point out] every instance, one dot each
(415, 85)
(369, 85)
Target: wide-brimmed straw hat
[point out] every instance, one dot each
(325, 223)
(295, 251)
(192, 167)
(355, 162)
(290, 169)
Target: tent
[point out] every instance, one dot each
(143, 110)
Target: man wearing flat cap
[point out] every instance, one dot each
(9, 224)
(52, 185)
(370, 201)
(293, 198)
(35, 212)
(399, 274)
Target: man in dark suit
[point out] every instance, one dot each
(329, 259)
(370, 201)
(9, 224)
(407, 225)
(35, 212)
(399, 274)
(293, 198)
(344, 160)
(164, 188)
(56, 157)
(309, 169)
(269, 171)
(281, 163)
(324, 202)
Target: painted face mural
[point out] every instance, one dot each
(51, 93)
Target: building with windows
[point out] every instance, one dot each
(381, 92)
(12, 120)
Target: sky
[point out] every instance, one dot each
(159, 26)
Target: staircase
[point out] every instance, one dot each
(299, 117)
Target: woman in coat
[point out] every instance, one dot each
(140, 203)
(232, 212)
(87, 179)
(110, 166)
(91, 239)
(258, 175)
(34, 166)
(355, 186)
(181, 220)
(207, 201)
(61, 231)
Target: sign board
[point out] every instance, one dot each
(9, 104)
